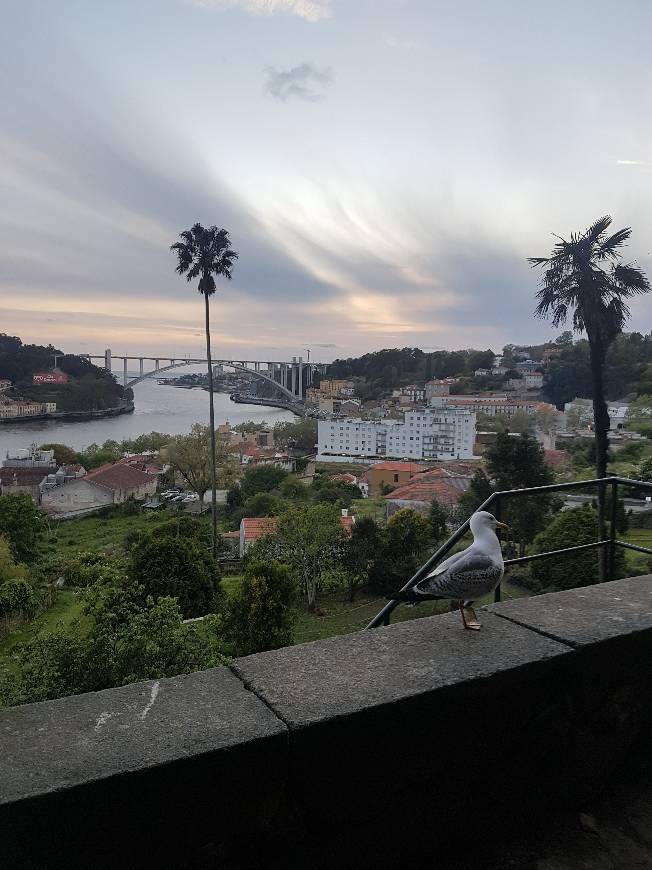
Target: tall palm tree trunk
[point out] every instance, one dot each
(211, 414)
(601, 425)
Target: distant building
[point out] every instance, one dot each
(333, 388)
(527, 366)
(390, 474)
(16, 480)
(438, 387)
(30, 457)
(527, 382)
(491, 405)
(74, 495)
(50, 378)
(21, 408)
(439, 483)
(123, 481)
(428, 433)
(583, 408)
(5, 383)
(481, 373)
(412, 394)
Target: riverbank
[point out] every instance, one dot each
(126, 408)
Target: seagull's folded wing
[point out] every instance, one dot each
(470, 576)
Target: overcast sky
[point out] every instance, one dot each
(384, 166)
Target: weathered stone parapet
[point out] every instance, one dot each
(382, 748)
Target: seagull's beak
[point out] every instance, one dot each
(501, 525)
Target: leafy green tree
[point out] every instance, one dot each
(519, 463)
(200, 459)
(478, 492)
(203, 253)
(645, 470)
(310, 541)
(301, 435)
(569, 529)
(361, 551)
(175, 567)
(63, 455)
(264, 504)
(261, 614)
(406, 546)
(127, 637)
(22, 523)
(261, 478)
(438, 520)
(293, 490)
(9, 568)
(585, 277)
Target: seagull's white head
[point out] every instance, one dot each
(482, 521)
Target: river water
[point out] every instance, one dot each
(158, 408)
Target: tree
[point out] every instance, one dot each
(202, 253)
(175, 567)
(263, 504)
(438, 520)
(477, 493)
(585, 276)
(22, 523)
(360, 552)
(9, 568)
(301, 435)
(261, 614)
(261, 478)
(193, 457)
(63, 455)
(519, 463)
(126, 637)
(407, 542)
(569, 529)
(309, 540)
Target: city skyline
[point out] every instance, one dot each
(384, 167)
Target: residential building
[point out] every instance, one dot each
(481, 373)
(532, 381)
(73, 495)
(491, 405)
(5, 383)
(528, 366)
(21, 408)
(348, 407)
(30, 457)
(411, 394)
(15, 480)
(438, 387)
(428, 433)
(58, 378)
(418, 494)
(390, 474)
(583, 408)
(124, 481)
(333, 388)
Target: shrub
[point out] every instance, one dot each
(261, 615)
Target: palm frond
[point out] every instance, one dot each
(631, 280)
(597, 228)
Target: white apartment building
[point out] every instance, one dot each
(490, 405)
(426, 433)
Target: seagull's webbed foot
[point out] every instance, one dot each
(469, 618)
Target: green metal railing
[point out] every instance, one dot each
(496, 500)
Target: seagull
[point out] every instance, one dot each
(467, 575)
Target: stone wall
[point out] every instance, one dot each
(394, 747)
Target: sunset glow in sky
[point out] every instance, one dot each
(384, 166)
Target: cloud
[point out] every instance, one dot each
(299, 82)
(633, 162)
(398, 44)
(311, 10)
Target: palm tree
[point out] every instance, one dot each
(202, 253)
(585, 279)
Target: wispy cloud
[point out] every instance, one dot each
(398, 44)
(311, 10)
(633, 163)
(301, 82)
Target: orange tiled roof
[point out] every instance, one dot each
(412, 467)
(258, 527)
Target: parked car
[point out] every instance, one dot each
(192, 497)
(177, 498)
(170, 493)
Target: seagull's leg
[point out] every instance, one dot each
(469, 617)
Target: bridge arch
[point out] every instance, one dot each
(230, 363)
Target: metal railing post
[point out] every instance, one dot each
(612, 537)
(497, 513)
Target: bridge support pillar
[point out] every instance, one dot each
(124, 370)
(294, 379)
(142, 366)
(107, 359)
(156, 364)
(300, 391)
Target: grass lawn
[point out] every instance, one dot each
(370, 507)
(64, 611)
(337, 615)
(93, 533)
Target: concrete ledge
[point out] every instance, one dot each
(139, 776)
(371, 749)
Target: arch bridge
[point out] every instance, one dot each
(289, 378)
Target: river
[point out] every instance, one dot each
(158, 408)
